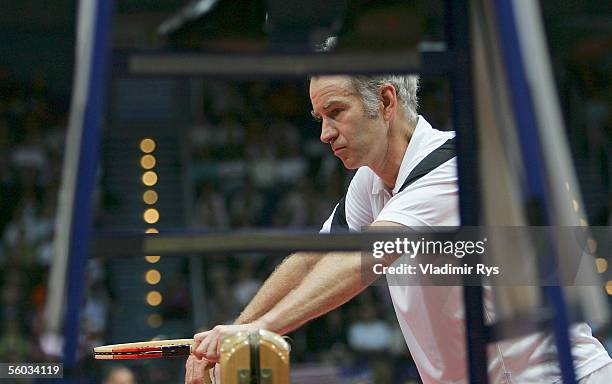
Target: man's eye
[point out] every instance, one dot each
(336, 112)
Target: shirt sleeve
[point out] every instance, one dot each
(432, 200)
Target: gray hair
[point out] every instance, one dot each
(368, 87)
(406, 86)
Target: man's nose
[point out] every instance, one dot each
(328, 132)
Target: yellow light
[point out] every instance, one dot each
(152, 259)
(575, 205)
(147, 145)
(148, 161)
(609, 287)
(601, 264)
(152, 276)
(583, 223)
(151, 230)
(151, 215)
(149, 196)
(154, 298)
(155, 320)
(149, 178)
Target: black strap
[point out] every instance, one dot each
(432, 161)
(339, 223)
(436, 158)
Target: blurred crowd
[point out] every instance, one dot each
(32, 130)
(33, 123)
(256, 159)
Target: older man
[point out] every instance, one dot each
(406, 177)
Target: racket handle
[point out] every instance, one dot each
(176, 350)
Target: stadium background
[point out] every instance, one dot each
(229, 154)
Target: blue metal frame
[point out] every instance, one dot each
(85, 183)
(536, 187)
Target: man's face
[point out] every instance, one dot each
(355, 138)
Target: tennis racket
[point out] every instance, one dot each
(144, 349)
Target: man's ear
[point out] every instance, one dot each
(389, 101)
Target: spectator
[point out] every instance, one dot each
(211, 208)
(120, 375)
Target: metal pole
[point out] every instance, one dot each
(458, 40)
(100, 15)
(539, 209)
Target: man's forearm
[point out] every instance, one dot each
(333, 281)
(283, 280)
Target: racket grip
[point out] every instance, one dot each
(176, 350)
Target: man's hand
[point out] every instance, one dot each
(197, 371)
(207, 345)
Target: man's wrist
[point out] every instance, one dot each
(239, 321)
(261, 323)
(244, 318)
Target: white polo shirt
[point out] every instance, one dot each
(432, 317)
